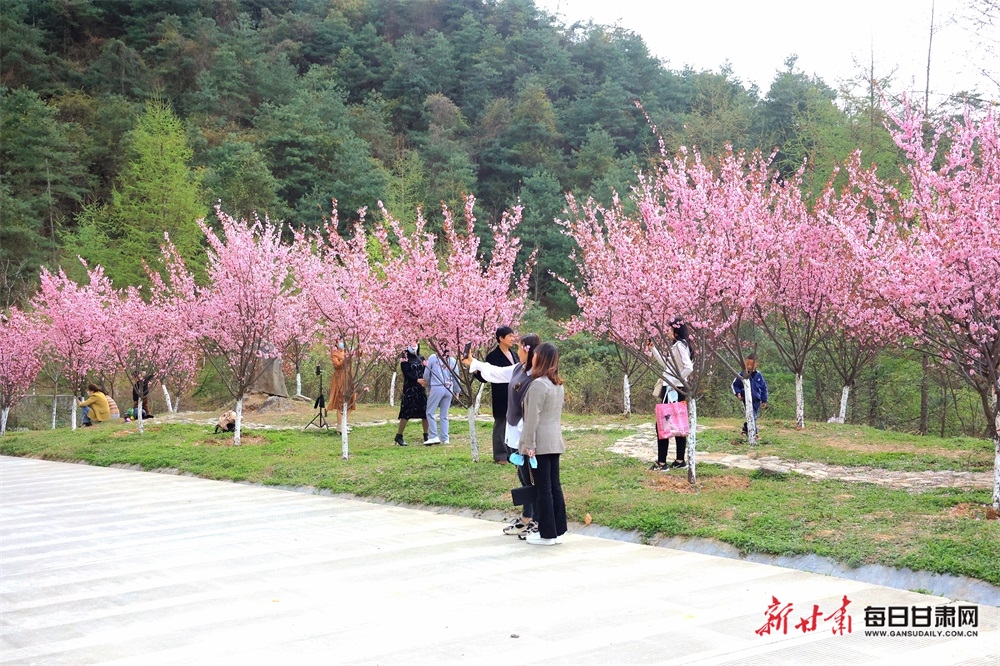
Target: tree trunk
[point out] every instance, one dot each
(692, 438)
(479, 397)
(239, 422)
(996, 452)
(139, 416)
(166, 396)
(800, 402)
(924, 395)
(343, 428)
(627, 395)
(72, 415)
(392, 391)
(748, 412)
(844, 396)
(473, 439)
(298, 383)
(3, 421)
(177, 403)
(55, 403)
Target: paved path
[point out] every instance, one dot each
(114, 566)
(642, 445)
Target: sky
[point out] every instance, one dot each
(828, 38)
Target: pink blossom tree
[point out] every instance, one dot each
(797, 277)
(77, 325)
(688, 254)
(456, 296)
(343, 280)
(20, 359)
(148, 342)
(245, 308)
(933, 250)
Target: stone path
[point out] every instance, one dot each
(642, 445)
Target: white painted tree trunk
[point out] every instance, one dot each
(392, 391)
(473, 439)
(692, 444)
(72, 415)
(343, 430)
(800, 403)
(166, 396)
(627, 395)
(177, 403)
(55, 403)
(139, 416)
(844, 395)
(239, 422)
(3, 421)
(996, 453)
(298, 383)
(479, 397)
(748, 412)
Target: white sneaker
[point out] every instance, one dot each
(561, 538)
(432, 440)
(536, 539)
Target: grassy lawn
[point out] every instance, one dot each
(943, 531)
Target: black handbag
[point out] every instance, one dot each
(525, 494)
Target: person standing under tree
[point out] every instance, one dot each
(501, 356)
(676, 369)
(339, 381)
(440, 376)
(413, 404)
(758, 387)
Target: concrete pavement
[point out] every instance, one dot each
(115, 566)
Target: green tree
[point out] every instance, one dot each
(42, 182)
(157, 192)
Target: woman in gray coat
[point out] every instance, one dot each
(542, 440)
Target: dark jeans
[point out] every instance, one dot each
(551, 509)
(682, 442)
(528, 510)
(86, 415)
(500, 451)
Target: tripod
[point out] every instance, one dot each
(320, 419)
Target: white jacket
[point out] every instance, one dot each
(680, 362)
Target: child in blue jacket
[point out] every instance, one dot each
(758, 387)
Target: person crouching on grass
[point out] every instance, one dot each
(542, 439)
(94, 408)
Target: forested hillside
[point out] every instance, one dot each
(124, 119)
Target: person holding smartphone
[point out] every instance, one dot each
(502, 356)
(518, 378)
(542, 440)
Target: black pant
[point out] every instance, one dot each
(551, 510)
(528, 510)
(500, 451)
(682, 442)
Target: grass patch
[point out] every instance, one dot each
(943, 531)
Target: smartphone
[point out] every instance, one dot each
(468, 348)
(517, 459)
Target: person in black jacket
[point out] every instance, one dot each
(414, 402)
(501, 356)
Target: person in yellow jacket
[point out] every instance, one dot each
(95, 408)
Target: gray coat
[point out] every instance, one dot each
(543, 405)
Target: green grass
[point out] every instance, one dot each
(853, 523)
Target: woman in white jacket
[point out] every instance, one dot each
(676, 369)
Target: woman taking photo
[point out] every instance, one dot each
(518, 378)
(542, 440)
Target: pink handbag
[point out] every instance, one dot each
(672, 420)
